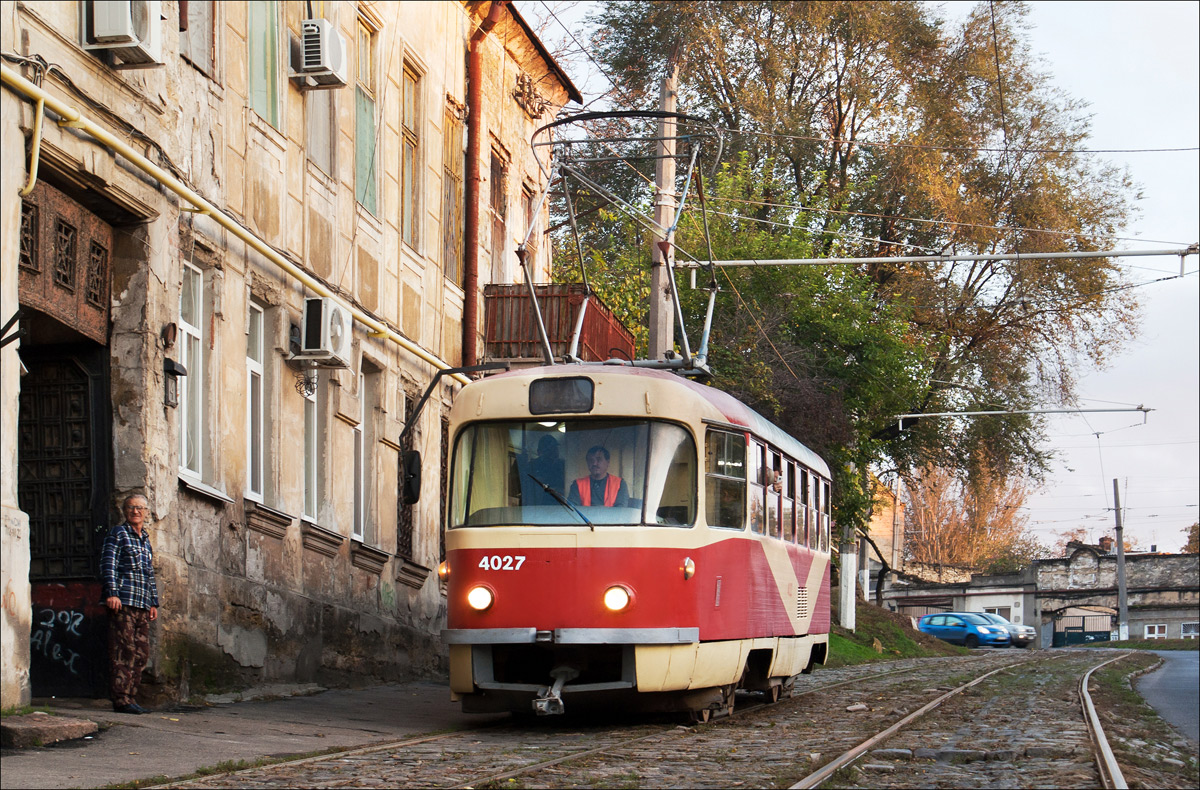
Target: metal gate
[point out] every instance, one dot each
(1082, 629)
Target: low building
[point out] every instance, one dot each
(1071, 599)
(1162, 591)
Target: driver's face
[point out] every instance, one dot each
(597, 465)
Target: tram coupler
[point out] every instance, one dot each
(549, 700)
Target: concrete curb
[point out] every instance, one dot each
(43, 729)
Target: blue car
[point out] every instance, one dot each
(964, 628)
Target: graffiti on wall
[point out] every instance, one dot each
(67, 640)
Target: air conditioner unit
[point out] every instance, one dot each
(320, 61)
(325, 333)
(131, 30)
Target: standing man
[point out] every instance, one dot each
(599, 488)
(127, 570)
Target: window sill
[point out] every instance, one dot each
(320, 540)
(266, 130)
(367, 557)
(196, 486)
(266, 520)
(411, 574)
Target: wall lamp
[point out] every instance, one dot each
(173, 371)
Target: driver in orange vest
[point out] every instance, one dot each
(599, 488)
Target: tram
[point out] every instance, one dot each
(620, 535)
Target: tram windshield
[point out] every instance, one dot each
(598, 472)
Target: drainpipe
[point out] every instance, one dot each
(470, 337)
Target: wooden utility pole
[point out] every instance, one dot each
(660, 314)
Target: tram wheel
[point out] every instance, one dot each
(773, 693)
(701, 716)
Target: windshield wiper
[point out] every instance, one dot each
(562, 500)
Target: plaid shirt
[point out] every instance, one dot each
(127, 568)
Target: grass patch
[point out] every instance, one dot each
(880, 635)
(1142, 741)
(24, 710)
(1149, 644)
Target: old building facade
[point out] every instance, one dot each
(1069, 599)
(198, 177)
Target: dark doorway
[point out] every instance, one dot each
(64, 485)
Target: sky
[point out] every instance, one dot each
(1137, 67)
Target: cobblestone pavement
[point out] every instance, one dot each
(1019, 728)
(1016, 729)
(770, 746)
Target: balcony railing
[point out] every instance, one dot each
(510, 329)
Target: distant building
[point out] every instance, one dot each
(1070, 599)
(1163, 590)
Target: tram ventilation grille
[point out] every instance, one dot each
(801, 603)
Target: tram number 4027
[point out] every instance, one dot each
(508, 562)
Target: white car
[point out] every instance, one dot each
(1020, 635)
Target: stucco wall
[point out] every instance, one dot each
(252, 596)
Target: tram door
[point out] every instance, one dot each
(64, 445)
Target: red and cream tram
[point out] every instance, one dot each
(621, 535)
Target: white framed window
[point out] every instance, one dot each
(360, 462)
(255, 410)
(191, 353)
(1156, 631)
(1189, 630)
(312, 446)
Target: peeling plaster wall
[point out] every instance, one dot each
(1162, 588)
(251, 592)
(14, 548)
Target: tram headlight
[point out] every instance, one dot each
(480, 598)
(444, 570)
(689, 568)
(616, 598)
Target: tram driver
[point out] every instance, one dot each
(599, 488)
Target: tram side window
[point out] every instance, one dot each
(825, 517)
(758, 481)
(802, 527)
(789, 494)
(725, 479)
(774, 489)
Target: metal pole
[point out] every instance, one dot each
(659, 318)
(1122, 598)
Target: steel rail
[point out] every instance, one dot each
(375, 747)
(1106, 761)
(823, 773)
(479, 780)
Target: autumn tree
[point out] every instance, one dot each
(1192, 545)
(979, 525)
(873, 129)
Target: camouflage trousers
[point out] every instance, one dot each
(128, 651)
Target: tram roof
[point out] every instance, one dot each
(730, 408)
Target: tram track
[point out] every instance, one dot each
(494, 754)
(1107, 772)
